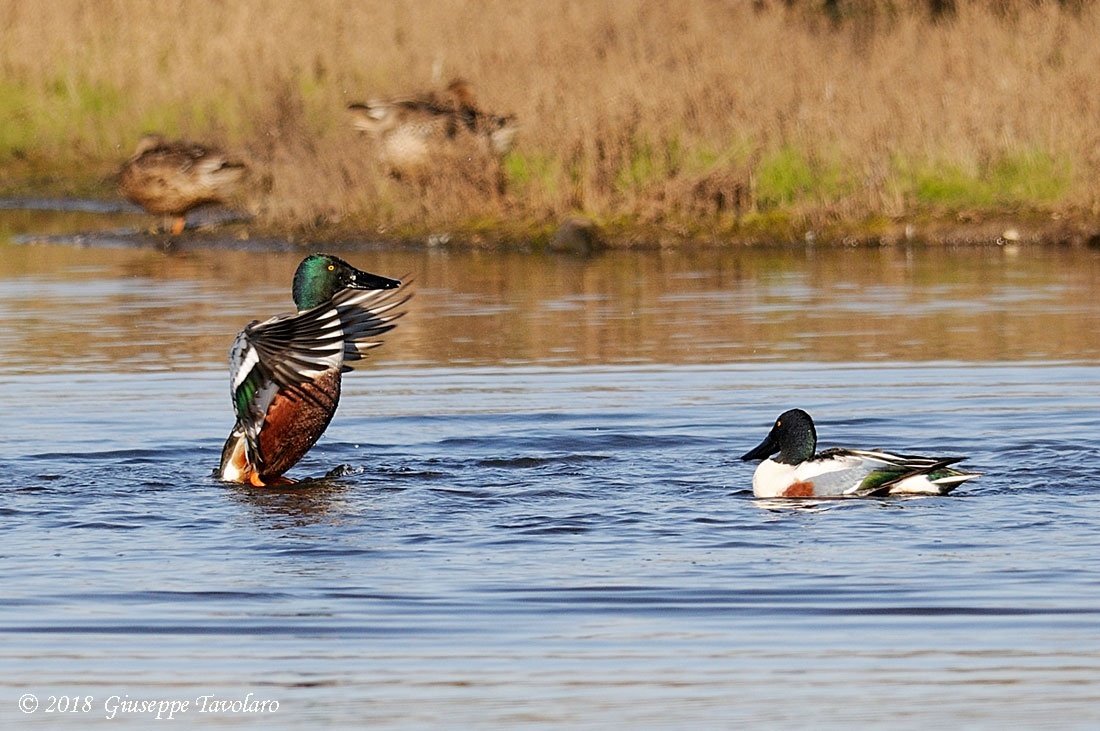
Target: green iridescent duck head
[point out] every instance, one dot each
(793, 436)
(320, 276)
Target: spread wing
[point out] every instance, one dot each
(282, 353)
(365, 314)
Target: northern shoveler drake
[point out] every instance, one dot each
(169, 178)
(798, 472)
(285, 372)
(414, 134)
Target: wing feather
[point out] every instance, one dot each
(366, 314)
(884, 470)
(291, 349)
(287, 351)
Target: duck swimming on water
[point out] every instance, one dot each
(797, 472)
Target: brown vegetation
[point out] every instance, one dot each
(701, 117)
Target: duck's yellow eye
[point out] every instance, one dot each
(331, 267)
(779, 423)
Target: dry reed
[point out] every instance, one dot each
(700, 116)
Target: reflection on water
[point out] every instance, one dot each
(529, 508)
(102, 308)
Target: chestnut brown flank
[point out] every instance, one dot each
(800, 489)
(295, 422)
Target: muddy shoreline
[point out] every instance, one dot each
(216, 228)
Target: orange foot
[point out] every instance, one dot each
(254, 478)
(177, 225)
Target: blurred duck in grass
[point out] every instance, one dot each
(417, 136)
(172, 177)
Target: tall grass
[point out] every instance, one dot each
(696, 115)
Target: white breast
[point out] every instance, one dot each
(830, 477)
(772, 478)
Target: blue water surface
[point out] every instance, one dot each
(539, 541)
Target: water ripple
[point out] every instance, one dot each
(604, 541)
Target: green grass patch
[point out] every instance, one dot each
(783, 177)
(1031, 175)
(643, 164)
(787, 176)
(63, 119)
(163, 119)
(775, 223)
(702, 157)
(16, 105)
(951, 186)
(1027, 176)
(648, 162)
(533, 169)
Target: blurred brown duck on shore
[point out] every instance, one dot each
(496, 132)
(169, 177)
(413, 133)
